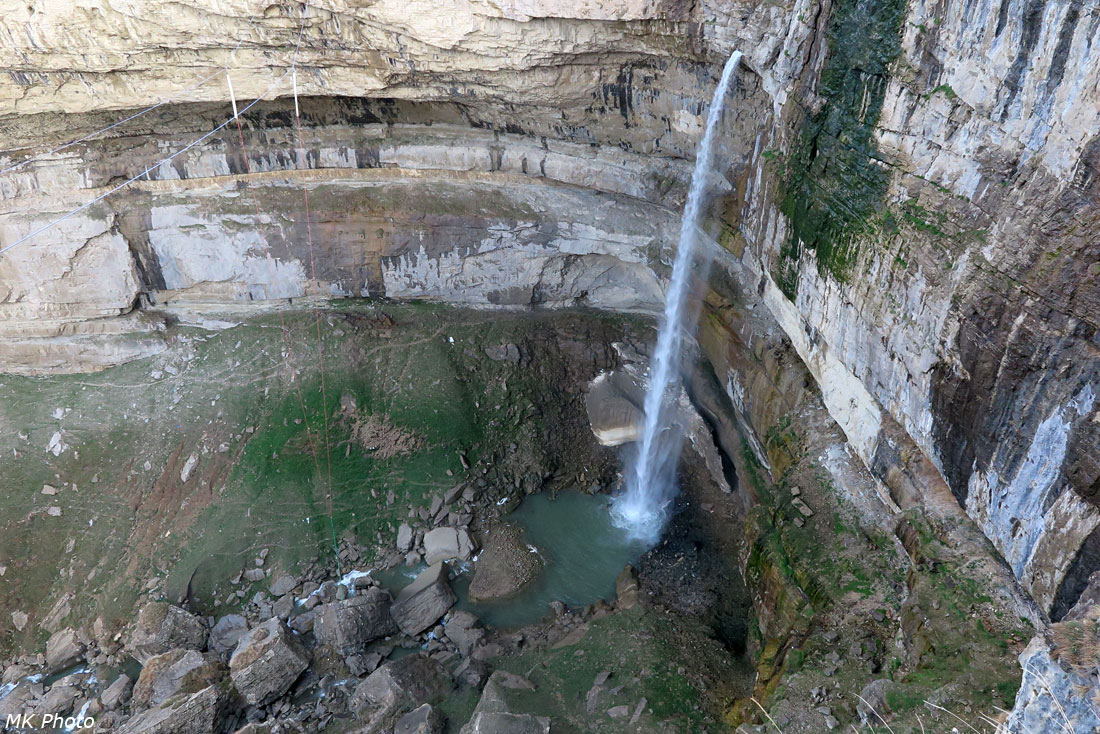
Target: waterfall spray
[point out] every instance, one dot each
(651, 481)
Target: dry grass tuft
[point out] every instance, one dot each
(1077, 645)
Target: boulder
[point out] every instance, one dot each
(162, 627)
(421, 604)
(472, 673)
(255, 728)
(19, 620)
(411, 680)
(116, 694)
(361, 664)
(63, 649)
(165, 675)
(504, 722)
(404, 538)
(464, 630)
(226, 633)
(505, 566)
(61, 696)
(302, 623)
(503, 353)
(266, 662)
(196, 713)
(18, 698)
(443, 544)
(347, 626)
(283, 585)
(615, 408)
(423, 720)
(283, 607)
(872, 701)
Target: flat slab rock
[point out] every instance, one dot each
(423, 602)
(266, 662)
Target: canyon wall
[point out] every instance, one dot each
(911, 193)
(920, 219)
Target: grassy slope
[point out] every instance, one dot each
(250, 489)
(925, 625)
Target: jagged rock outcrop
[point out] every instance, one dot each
(1055, 696)
(924, 294)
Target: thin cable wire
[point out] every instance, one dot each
(313, 277)
(89, 136)
(127, 182)
(290, 357)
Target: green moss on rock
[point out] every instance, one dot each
(835, 184)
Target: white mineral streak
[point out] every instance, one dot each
(1032, 517)
(195, 250)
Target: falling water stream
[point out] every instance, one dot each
(651, 482)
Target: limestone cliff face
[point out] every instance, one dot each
(921, 218)
(912, 195)
(509, 154)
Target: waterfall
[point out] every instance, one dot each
(651, 481)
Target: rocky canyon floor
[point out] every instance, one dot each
(225, 504)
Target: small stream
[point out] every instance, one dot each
(582, 552)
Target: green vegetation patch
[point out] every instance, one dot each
(671, 663)
(834, 183)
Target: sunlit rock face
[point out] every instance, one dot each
(937, 272)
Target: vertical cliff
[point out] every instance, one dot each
(920, 211)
